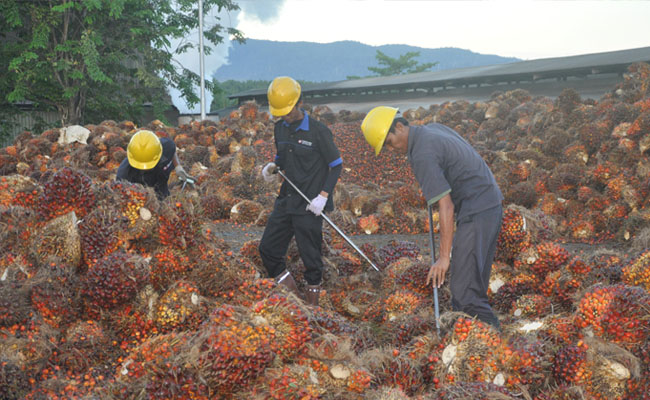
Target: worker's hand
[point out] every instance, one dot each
(268, 172)
(182, 174)
(317, 204)
(437, 272)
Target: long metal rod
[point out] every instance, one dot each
(326, 218)
(432, 242)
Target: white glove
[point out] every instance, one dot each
(182, 175)
(267, 172)
(317, 204)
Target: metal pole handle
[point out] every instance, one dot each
(326, 218)
(432, 242)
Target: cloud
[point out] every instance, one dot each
(264, 11)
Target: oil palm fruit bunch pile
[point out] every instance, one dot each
(108, 292)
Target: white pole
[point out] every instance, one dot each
(201, 63)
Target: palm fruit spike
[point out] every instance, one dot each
(513, 237)
(180, 308)
(19, 190)
(617, 313)
(67, 190)
(167, 266)
(637, 271)
(473, 352)
(178, 227)
(235, 349)
(550, 256)
(395, 250)
(290, 324)
(100, 234)
(475, 391)
(60, 238)
(114, 280)
(54, 294)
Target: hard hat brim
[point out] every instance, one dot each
(142, 165)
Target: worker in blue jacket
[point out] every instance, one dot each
(307, 155)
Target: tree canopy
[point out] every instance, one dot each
(101, 59)
(404, 64)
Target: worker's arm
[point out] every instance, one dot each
(438, 270)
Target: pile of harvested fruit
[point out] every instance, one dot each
(107, 292)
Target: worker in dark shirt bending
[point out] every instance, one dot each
(307, 155)
(451, 173)
(150, 160)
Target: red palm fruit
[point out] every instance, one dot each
(531, 306)
(617, 313)
(67, 190)
(167, 266)
(369, 224)
(509, 292)
(55, 294)
(178, 226)
(395, 250)
(570, 364)
(114, 280)
(637, 271)
(526, 362)
(513, 237)
(550, 256)
(234, 349)
(290, 324)
(180, 308)
(100, 234)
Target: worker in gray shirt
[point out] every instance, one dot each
(451, 173)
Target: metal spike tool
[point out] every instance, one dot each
(326, 218)
(432, 242)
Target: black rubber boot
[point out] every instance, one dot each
(313, 294)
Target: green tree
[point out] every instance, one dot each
(404, 64)
(101, 58)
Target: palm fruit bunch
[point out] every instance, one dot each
(218, 273)
(135, 203)
(245, 211)
(393, 368)
(16, 226)
(550, 257)
(54, 294)
(178, 225)
(426, 350)
(513, 238)
(290, 325)
(167, 266)
(132, 325)
(234, 349)
(19, 190)
(141, 364)
(249, 293)
(637, 271)
(473, 353)
(560, 287)
(404, 328)
(60, 238)
(476, 390)
(84, 345)
(100, 234)
(14, 304)
(617, 313)
(180, 308)
(525, 362)
(14, 382)
(395, 250)
(401, 303)
(113, 280)
(291, 382)
(531, 305)
(346, 262)
(176, 382)
(369, 224)
(507, 295)
(67, 190)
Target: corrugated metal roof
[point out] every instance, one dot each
(607, 62)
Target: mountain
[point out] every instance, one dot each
(329, 62)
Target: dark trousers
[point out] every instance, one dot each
(474, 245)
(280, 228)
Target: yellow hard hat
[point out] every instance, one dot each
(144, 150)
(376, 124)
(283, 94)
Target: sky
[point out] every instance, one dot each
(511, 28)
